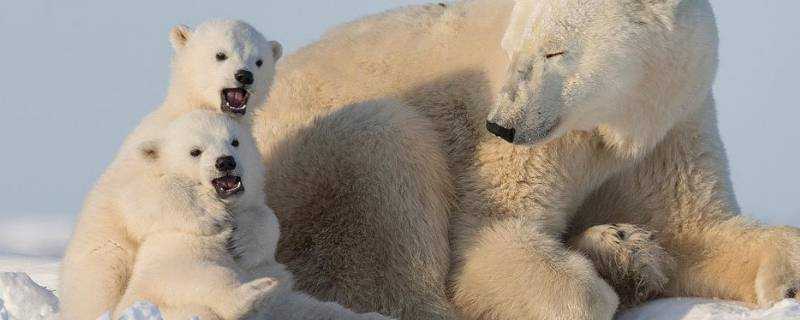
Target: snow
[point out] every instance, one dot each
(138, 311)
(33, 243)
(43, 270)
(706, 309)
(23, 299)
(29, 260)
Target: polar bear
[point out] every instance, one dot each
(224, 66)
(221, 65)
(203, 179)
(397, 127)
(201, 173)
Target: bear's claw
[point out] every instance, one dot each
(628, 258)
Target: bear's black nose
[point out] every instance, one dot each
(496, 129)
(244, 77)
(226, 163)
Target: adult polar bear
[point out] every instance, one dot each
(614, 94)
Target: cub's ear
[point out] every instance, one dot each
(150, 150)
(179, 35)
(277, 50)
(658, 12)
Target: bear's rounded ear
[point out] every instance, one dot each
(149, 150)
(277, 50)
(179, 35)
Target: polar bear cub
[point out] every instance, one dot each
(200, 173)
(223, 66)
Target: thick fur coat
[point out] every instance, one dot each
(394, 197)
(100, 256)
(200, 174)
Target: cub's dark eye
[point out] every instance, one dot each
(235, 143)
(553, 55)
(196, 153)
(221, 56)
(259, 63)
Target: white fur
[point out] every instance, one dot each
(101, 253)
(588, 87)
(183, 227)
(620, 128)
(197, 76)
(521, 24)
(185, 231)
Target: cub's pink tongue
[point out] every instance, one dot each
(228, 184)
(236, 98)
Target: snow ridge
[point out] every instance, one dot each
(23, 299)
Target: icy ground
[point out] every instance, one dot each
(29, 250)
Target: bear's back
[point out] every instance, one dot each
(428, 57)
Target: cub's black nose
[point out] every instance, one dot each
(226, 163)
(504, 133)
(244, 77)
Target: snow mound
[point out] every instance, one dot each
(138, 311)
(43, 270)
(706, 309)
(23, 299)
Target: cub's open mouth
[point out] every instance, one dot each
(227, 186)
(234, 100)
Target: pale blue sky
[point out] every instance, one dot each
(76, 76)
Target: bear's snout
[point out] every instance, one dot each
(244, 77)
(226, 163)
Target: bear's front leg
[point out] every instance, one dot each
(511, 269)
(95, 270)
(736, 259)
(629, 258)
(247, 297)
(683, 191)
(778, 275)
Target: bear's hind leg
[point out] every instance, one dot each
(363, 196)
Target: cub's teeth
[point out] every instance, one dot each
(228, 104)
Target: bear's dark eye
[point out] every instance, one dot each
(555, 54)
(196, 153)
(221, 56)
(235, 143)
(259, 63)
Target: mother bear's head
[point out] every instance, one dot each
(627, 68)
